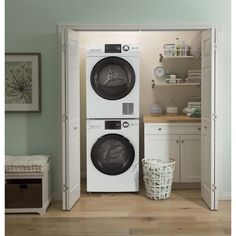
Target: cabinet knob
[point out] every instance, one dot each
(159, 129)
(182, 141)
(199, 128)
(204, 127)
(177, 141)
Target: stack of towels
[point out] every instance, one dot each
(194, 76)
(33, 163)
(193, 108)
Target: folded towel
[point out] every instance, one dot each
(32, 163)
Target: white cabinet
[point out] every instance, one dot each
(190, 149)
(179, 141)
(163, 147)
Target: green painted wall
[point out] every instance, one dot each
(31, 26)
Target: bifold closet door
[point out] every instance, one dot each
(208, 164)
(70, 119)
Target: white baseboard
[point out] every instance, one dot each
(225, 196)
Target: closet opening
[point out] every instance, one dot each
(178, 73)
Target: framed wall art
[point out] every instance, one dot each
(22, 82)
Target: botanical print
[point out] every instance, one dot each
(18, 82)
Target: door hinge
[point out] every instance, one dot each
(214, 46)
(64, 117)
(65, 188)
(64, 47)
(213, 188)
(214, 117)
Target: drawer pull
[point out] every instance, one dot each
(159, 129)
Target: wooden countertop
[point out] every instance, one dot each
(170, 119)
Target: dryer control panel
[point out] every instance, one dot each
(124, 49)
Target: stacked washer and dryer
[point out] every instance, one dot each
(112, 86)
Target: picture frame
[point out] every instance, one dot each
(23, 82)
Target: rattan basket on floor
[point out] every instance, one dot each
(158, 177)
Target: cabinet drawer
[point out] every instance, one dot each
(177, 128)
(23, 193)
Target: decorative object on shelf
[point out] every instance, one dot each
(194, 76)
(155, 109)
(159, 72)
(177, 49)
(193, 109)
(22, 82)
(171, 79)
(171, 110)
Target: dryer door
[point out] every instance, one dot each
(112, 154)
(112, 78)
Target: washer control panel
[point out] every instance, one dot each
(119, 124)
(112, 124)
(126, 48)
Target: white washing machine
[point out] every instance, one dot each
(113, 155)
(112, 81)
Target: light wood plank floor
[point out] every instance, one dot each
(124, 214)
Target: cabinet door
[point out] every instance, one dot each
(190, 152)
(163, 147)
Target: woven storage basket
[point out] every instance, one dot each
(158, 178)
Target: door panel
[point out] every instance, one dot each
(71, 163)
(163, 147)
(190, 150)
(208, 190)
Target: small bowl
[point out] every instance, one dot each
(156, 110)
(172, 110)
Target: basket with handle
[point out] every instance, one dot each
(158, 177)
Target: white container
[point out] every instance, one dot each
(156, 110)
(158, 177)
(172, 110)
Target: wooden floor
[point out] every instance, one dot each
(126, 214)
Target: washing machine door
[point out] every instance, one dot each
(112, 154)
(112, 78)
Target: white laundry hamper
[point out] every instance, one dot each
(158, 177)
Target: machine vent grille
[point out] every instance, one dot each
(128, 108)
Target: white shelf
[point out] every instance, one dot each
(175, 57)
(170, 57)
(178, 84)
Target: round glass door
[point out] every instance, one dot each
(112, 154)
(112, 78)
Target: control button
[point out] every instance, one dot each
(125, 124)
(126, 48)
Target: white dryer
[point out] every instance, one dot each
(113, 155)
(112, 81)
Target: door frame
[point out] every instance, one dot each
(159, 27)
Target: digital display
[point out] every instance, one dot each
(112, 124)
(112, 48)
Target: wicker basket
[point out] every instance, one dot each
(158, 177)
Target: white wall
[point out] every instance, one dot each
(151, 45)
